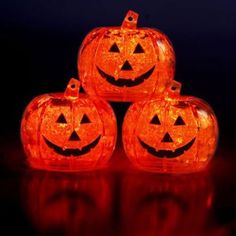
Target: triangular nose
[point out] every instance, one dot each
(74, 137)
(126, 66)
(167, 138)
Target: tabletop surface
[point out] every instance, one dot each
(119, 200)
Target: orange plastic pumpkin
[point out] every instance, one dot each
(126, 63)
(67, 203)
(69, 131)
(171, 133)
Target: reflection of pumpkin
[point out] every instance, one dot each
(125, 63)
(170, 134)
(68, 131)
(66, 203)
(166, 205)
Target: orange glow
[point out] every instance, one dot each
(68, 132)
(67, 203)
(170, 133)
(166, 205)
(126, 63)
(119, 203)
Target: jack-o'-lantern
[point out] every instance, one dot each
(170, 133)
(125, 63)
(167, 205)
(67, 203)
(69, 131)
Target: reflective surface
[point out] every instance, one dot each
(68, 203)
(118, 201)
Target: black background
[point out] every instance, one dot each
(39, 42)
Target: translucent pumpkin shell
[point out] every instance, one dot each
(126, 63)
(68, 132)
(170, 135)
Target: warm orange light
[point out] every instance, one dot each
(126, 63)
(170, 133)
(166, 205)
(67, 204)
(69, 131)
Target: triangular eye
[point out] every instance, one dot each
(61, 119)
(155, 120)
(179, 121)
(138, 49)
(114, 48)
(85, 119)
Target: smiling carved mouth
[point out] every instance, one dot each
(121, 82)
(72, 151)
(167, 153)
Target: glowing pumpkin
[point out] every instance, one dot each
(171, 133)
(126, 63)
(69, 131)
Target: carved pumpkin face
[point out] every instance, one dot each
(170, 134)
(68, 132)
(126, 63)
(62, 203)
(175, 129)
(76, 126)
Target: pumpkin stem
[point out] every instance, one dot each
(130, 20)
(72, 89)
(174, 87)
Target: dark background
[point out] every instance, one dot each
(39, 41)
